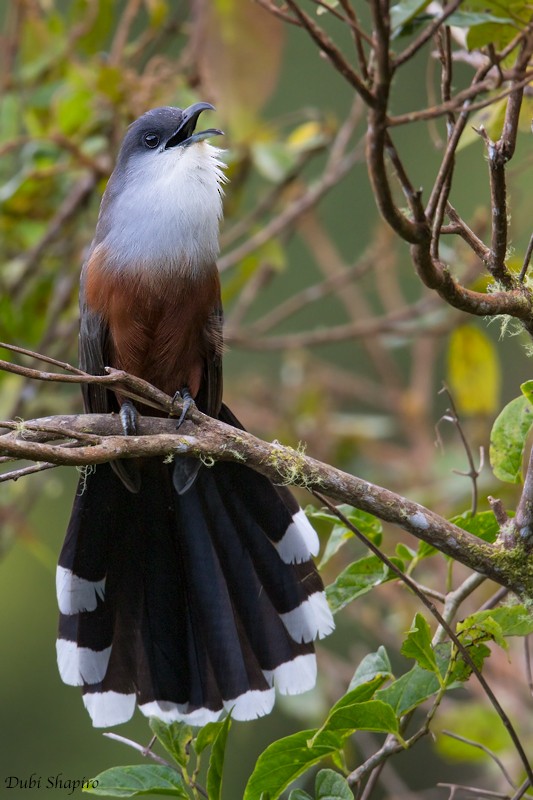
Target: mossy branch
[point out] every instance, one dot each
(86, 439)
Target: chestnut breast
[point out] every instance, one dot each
(159, 321)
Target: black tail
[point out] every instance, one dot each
(187, 604)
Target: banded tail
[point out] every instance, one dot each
(188, 604)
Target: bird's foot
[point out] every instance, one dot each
(188, 402)
(129, 417)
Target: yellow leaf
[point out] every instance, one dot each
(307, 135)
(473, 371)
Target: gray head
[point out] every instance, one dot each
(162, 129)
(163, 202)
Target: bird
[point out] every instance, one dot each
(185, 589)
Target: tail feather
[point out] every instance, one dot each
(281, 518)
(184, 604)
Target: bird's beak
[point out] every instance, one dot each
(184, 134)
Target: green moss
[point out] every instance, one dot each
(516, 567)
(292, 467)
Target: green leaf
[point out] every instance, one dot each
(483, 524)
(410, 690)
(329, 785)
(473, 371)
(372, 666)
(508, 437)
(497, 33)
(513, 620)
(418, 645)
(175, 737)
(283, 761)
(207, 735)
(467, 19)
(368, 525)
(478, 653)
(299, 794)
(358, 579)
(338, 536)
(497, 623)
(405, 11)
(480, 629)
(425, 550)
(138, 780)
(416, 686)
(372, 715)
(216, 762)
(404, 552)
(357, 711)
(360, 694)
(527, 390)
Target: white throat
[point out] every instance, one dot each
(167, 211)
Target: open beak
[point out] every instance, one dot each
(184, 134)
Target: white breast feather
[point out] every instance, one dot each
(168, 212)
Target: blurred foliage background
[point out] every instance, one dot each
(331, 339)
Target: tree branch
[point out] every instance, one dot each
(95, 439)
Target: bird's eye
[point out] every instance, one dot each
(151, 140)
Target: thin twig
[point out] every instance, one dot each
(527, 655)
(40, 357)
(527, 259)
(142, 749)
(486, 750)
(467, 234)
(15, 474)
(457, 103)
(490, 795)
(522, 789)
(523, 520)
(495, 600)
(473, 473)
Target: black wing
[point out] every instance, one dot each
(209, 398)
(94, 356)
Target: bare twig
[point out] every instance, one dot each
(461, 228)
(527, 259)
(40, 357)
(144, 751)
(523, 521)
(498, 205)
(475, 790)
(527, 655)
(473, 473)
(15, 474)
(454, 600)
(457, 102)
(495, 600)
(520, 792)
